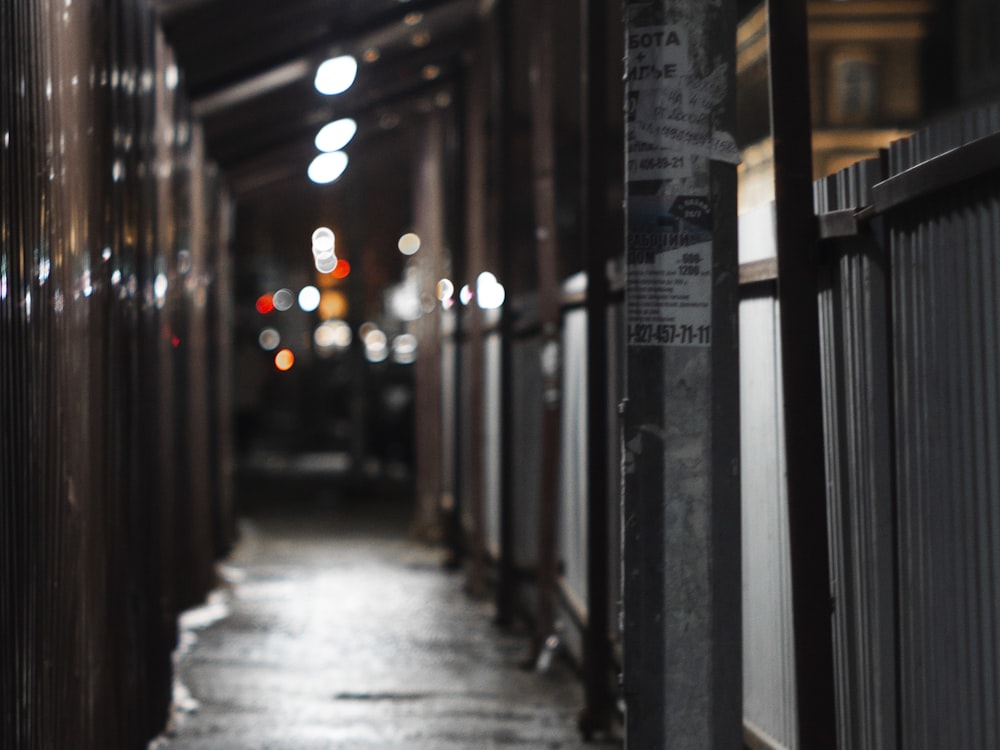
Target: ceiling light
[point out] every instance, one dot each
(412, 19)
(337, 134)
(336, 75)
(326, 168)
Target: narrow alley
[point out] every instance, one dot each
(333, 629)
(469, 374)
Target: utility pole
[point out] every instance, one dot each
(682, 589)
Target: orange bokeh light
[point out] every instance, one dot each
(342, 270)
(284, 360)
(265, 304)
(332, 304)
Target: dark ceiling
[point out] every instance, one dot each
(249, 68)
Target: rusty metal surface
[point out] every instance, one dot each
(111, 505)
(339, 632)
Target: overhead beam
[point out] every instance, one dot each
(359, 37)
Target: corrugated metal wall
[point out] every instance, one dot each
(911, 341)
(857, 414)
(573, 477)
(768, 673)
(113, 486)
(945, 260)
(769, 708)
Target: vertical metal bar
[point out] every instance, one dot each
(506, 584)
(682, 587)
(457, 225)
(476, 238)
(595, 240)
(798, 268)
(546, 252)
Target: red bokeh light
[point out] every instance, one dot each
(342, 270)
(265, 304)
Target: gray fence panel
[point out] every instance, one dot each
(854, 344)
(768, 674)
(573, 454)
(945, 289)
(491, 441)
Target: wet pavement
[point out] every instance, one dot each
(335, 630)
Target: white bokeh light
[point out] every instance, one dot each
(409, 243)
(326, 264)
(327, 167)
(283, 299)
(309, 297)
(490, 293)
(337, 134)
(336, 75)
(269, 339)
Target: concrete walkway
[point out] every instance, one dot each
(336, 631)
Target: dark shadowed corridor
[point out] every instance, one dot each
(334, 630)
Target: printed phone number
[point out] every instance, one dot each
(669, 333)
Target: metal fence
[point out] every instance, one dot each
(114, 497)
(911, 341)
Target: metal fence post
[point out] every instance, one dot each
(798, 268)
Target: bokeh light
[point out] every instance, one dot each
(404, 349)
(409, 243)
(326, 264)
(445, 290)
(332, 304)
(269, 339)
(490, 293)
(283, 299)
(327, 167)
(337, 134)
(332, 335)
(336, 75)
(376, 345)
(342, 270)
(265, 304)
(284, 360)
(309, 298)
(323, 241)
